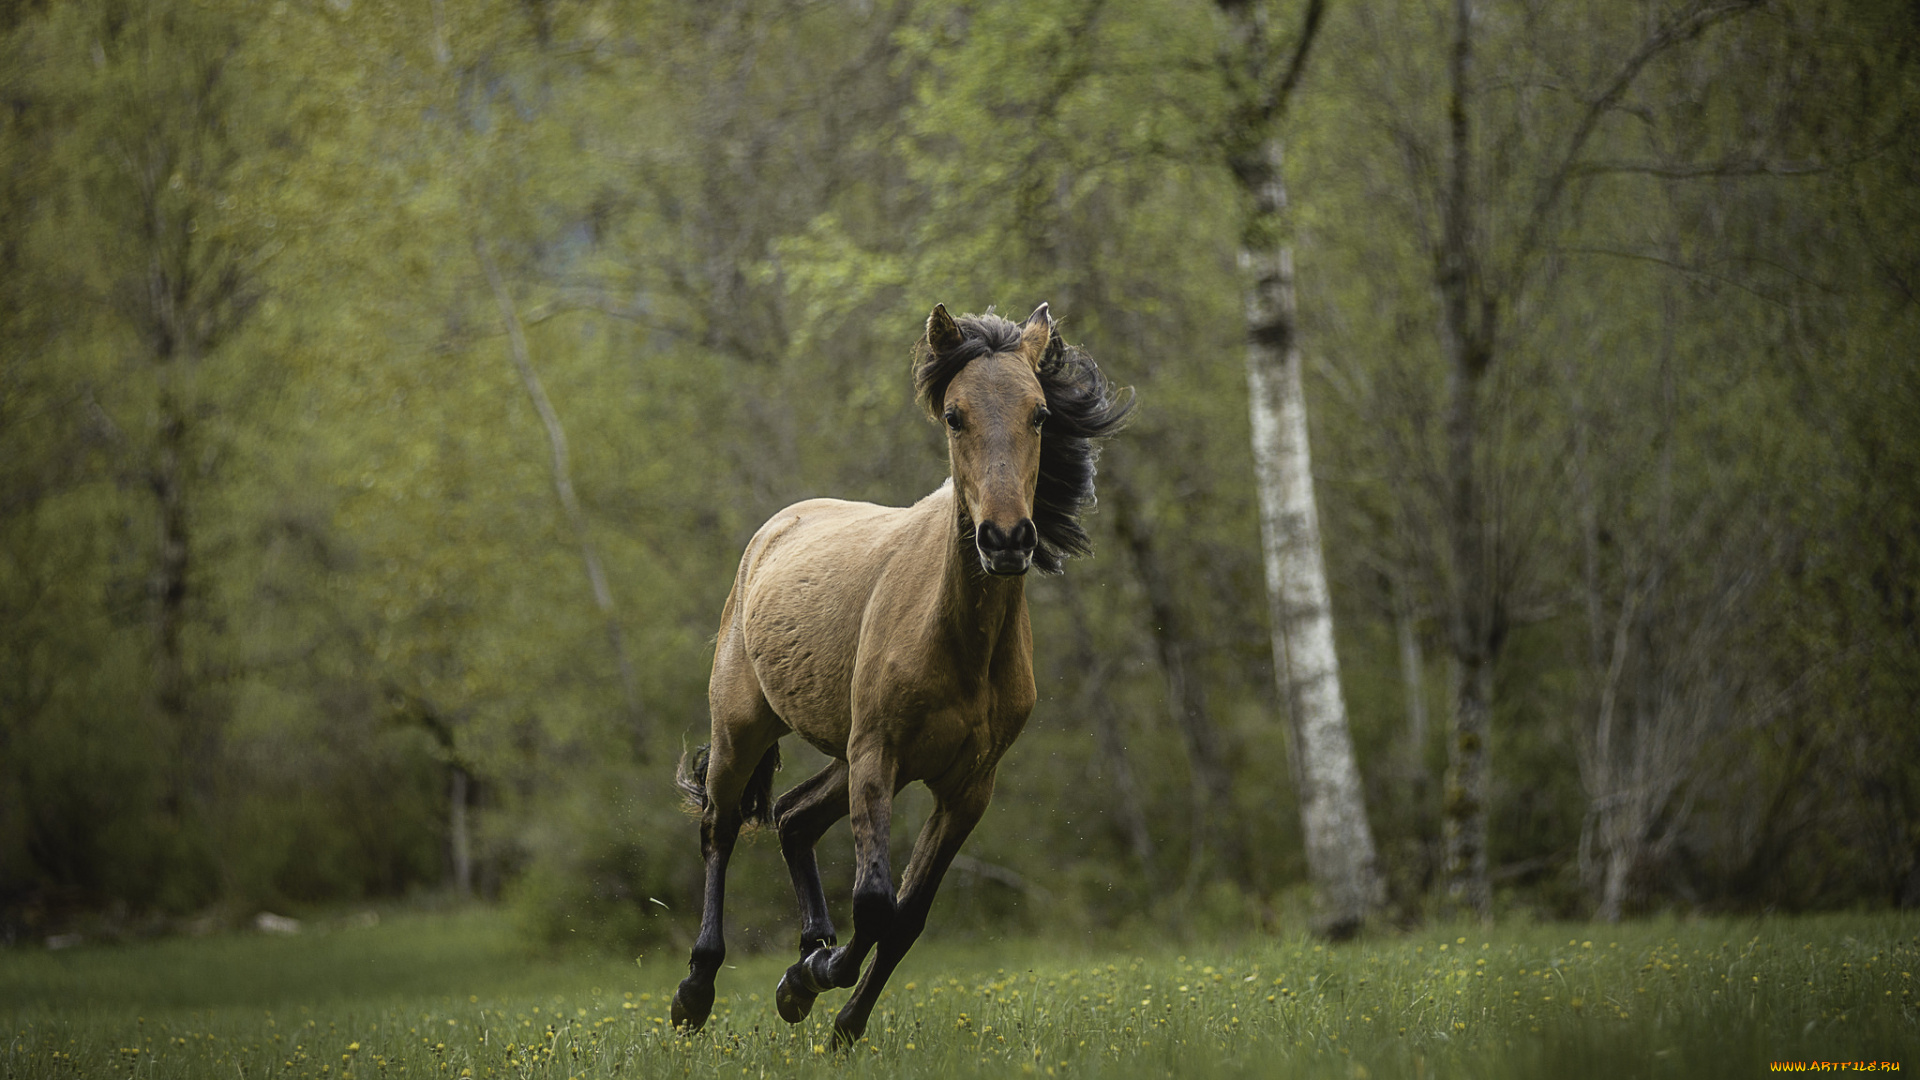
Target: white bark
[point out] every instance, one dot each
(563, 488)
(1340, 851)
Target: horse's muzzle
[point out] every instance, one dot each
(1006, 552)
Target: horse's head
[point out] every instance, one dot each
(994, 408)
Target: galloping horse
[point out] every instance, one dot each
(896, 641)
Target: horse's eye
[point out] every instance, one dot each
(953, 418)
(1041, 416)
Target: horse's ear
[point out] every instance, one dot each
(943, 334)
(1037, 336)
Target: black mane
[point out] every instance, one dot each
(1084, 406)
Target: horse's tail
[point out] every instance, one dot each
(756, 802)
(691, 778)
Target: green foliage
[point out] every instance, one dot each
(721, 228)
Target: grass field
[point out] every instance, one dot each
(456, 995)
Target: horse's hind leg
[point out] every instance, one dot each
(804, 814)
(731, 764)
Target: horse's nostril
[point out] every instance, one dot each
(1021, 539)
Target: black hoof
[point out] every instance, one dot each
(691, 1004)
(792, 999)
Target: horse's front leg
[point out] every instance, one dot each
(940, 839)
(870, 790)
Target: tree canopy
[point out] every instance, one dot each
(387, 392)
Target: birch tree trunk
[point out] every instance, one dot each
(563, 488)
(1340, 851)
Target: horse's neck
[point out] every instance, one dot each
(976, 609)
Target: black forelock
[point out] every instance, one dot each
(980, 335)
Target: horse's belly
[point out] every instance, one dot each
(811, 699)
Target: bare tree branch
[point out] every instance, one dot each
(599, 303)
(1267, 100)
(1690, 23)
(1282, 95)
(1685, 268)
(1689, 170)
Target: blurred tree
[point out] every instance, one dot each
(270, 451)
(1340, 850)
(171, 149)
(1486, 176)
(144, 118)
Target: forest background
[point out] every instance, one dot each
(388, 390)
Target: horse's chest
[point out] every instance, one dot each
(934, 720)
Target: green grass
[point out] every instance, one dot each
(423, 996)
